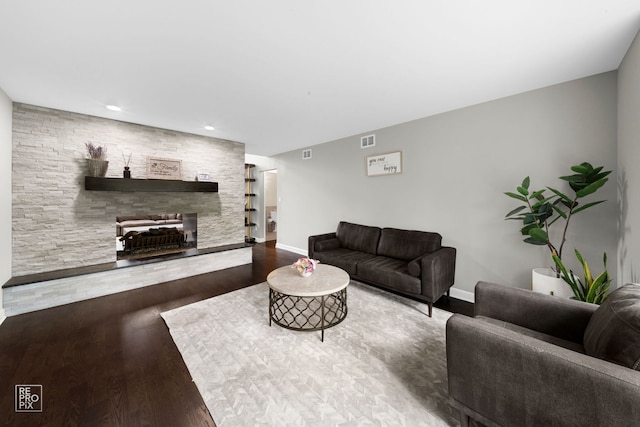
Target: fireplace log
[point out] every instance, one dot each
(155, 239)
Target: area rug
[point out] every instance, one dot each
(383, 365)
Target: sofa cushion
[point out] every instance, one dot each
(406, 244)
(389, 272)
(326, 245)
(357, 237)
(343, 258)
(613, 333)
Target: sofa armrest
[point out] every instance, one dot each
(438, 272)
(514, 379)
(318, 238)
(560, 317)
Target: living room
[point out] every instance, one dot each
(456, 165)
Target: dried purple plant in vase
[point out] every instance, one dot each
(96, 162)
(97, 152)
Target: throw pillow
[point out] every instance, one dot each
(327, 245)
(414, 267)
(613, 332)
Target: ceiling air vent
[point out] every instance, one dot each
(367, 141)
(306, 154)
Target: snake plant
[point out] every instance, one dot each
(592, 289)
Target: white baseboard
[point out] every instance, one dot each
(292, 249)
(462, 295)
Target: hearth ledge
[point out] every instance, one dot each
(33, 292)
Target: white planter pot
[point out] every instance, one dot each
(544, 280)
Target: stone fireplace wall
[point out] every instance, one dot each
(57, 224)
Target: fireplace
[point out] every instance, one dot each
(150, 236)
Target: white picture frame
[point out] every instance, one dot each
(384, 164)
(203, 177)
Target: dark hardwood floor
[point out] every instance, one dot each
(110, 361)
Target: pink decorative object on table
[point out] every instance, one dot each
(305, 266)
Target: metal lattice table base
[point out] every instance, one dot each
(315, 313)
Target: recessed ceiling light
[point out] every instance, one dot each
(113, 108)
(208, 127)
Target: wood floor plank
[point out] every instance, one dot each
(110, 361)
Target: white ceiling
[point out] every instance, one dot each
(284, 74)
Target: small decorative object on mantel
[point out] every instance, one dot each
(96, 162)
(305, 266)
(203, 177)
(127, 159)
(164, 169)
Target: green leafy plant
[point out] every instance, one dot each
(592, 290)
(542, 209)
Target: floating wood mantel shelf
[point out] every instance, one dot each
(141, 185)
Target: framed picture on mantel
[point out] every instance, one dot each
(158, 168)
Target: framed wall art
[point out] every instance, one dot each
(384, 164)
(158, 168)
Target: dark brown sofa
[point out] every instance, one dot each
(412, 263)
(528, 359)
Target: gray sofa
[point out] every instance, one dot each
(528, 359)
(412, 263)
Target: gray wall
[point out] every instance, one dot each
(5, 194)
(628, 157)
(270, 189)
(57, 224)
(456, 167)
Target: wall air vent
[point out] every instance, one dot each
(306, 154)
(367, 141)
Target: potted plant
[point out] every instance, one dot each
(96, 162)
(541, 210)
(593, 290)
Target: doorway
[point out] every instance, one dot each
(271, 204)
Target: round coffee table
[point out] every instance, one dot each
(313, 303)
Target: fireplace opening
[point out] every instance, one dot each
(149, 236)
